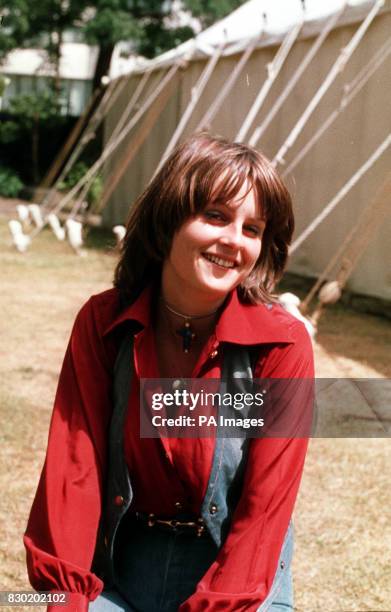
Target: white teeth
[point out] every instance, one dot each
(217, 260)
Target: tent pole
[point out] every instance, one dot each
(195, 96)
(369, 222)
(136, 142)
(67, 147)
(360, 238)
(341, 194)
(122, 121)
(330, 24)
(357, 240)
(91, 127)
(131, 104)
(80, 198)
(110, 96)
(109, 150)
(336, 69)
(116, 131)
(349, 92)
(215, 106)
(273, 70)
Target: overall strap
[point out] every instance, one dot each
(239, 362)
(230, 455)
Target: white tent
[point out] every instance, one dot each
(307, 82)
(271, 18)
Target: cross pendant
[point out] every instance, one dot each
(187, 336)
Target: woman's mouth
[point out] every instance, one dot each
(220, 261)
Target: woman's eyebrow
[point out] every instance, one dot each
(230, 208)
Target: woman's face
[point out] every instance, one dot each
(213, 252)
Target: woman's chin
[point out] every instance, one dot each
(217, 287)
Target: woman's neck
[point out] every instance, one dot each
(187, 297)
(176, 355)
(190, 304)
(176, 319)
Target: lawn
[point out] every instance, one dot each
(342, 518)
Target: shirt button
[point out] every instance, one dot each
(213, 509)
(282, 564)
(177, 384)
(178, 505)
(119, 500)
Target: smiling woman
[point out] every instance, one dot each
(214, 251)
(209, 178)
(126, 522)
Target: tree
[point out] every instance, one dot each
(29, 112)
(147, 23)
(209, 11)
(150, 25)
(39, 24)
(14, 25)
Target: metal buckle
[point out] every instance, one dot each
(200, 528)
(174, 524)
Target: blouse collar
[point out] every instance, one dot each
(239, 323)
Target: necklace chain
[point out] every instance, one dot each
(188, 317)
(186, 332)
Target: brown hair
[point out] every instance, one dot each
(201, 170)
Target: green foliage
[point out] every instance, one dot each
(9, 132)
(95, 191)
(102, 22)
(10, 183)
(4, 82)
(29, 114)
(34, 107)
(209, 11)
(148, 24)
(39, 23)
(76, 173)
(108, 26)
(14, 24)
(155, 40)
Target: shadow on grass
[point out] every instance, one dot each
(100, 238)
(346, 332)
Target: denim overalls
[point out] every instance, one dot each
(222, 494)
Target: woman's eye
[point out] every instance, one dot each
(253, 229)
(214, 215)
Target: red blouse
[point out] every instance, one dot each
(61, 532)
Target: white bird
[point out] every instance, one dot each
(54, 223)
(119, 231)
(74, 231)
(19, 239)
(291, 303)
(36, 215)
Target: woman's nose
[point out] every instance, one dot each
(232, 235)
